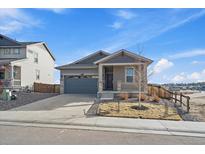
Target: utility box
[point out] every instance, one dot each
(6, 95)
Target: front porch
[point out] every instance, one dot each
(122, 78)
(10, 76)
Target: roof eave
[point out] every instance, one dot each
(118, 52)
(65, 68)
(45, 45)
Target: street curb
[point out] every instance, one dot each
(102, 128)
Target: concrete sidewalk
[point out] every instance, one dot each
(64, 120)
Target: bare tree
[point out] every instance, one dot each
(140, 52)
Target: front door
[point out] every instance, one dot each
(108, 78)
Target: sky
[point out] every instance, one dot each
(173, 38)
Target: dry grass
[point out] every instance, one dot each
(154, 111)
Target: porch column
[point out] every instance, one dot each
(145, 78)
(12, 75)
(100, 78)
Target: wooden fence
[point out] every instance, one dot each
(46, 88)
(156, 90)
(175, 97)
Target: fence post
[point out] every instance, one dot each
(152, 90)
(175, 98)
(159, 91)
(164, 94)
(171, 96)
(188, 98)
(180, 99)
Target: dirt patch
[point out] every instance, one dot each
(139, 107)
(153, 111)
(197, 106)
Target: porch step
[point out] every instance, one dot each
(106, 96)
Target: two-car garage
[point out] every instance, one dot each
(80, 85)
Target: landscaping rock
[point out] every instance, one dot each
(24, 98)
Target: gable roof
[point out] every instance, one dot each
(86, 62)
(94, 55)
(44, 44)
(12, 42)
(125, 52)
(6, 41)
(29, 43)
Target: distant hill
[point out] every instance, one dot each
(185, 86)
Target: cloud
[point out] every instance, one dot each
(195, 76)
(55, 10)
(188, 54)
(195, 62)
(189, 77)
(116, 25)
(179, 78)
(14, 20)
(162, 65)
(150, 24)
(125, 14)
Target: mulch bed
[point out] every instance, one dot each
(24, 98)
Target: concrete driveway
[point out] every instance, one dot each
(57, 109)
(60, 102)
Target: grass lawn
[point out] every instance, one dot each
(153, 111)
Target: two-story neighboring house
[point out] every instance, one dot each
(23, 63)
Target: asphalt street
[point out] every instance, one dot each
(21, 135)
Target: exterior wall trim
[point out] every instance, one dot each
(120, 64)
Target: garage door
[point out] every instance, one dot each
(80, 85)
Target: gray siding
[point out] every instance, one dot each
(123, 59)
(12, 55)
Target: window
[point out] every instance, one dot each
(1, 51)
(35, 57)
(16, 51)
(37, 74)
(129, 76)
(7, 52)
(2, 75)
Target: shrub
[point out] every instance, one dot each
(154, 98)
(144, 97)
(123, 96)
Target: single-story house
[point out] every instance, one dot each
(119, 72)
